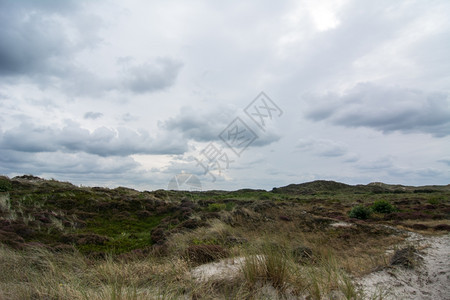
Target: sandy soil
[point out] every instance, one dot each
(223, 269)
(341, 224)
(430, 280)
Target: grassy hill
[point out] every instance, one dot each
(328, 187)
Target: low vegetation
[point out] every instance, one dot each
(360, 212)
(382, 207)
(60, 241)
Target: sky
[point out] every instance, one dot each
(233, 94)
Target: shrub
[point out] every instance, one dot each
(91, 238)
(5, 185)
(435, 200)
(360, 212)
(216, 207)
(406, 257)
(383, 207)
(265, 197)
(229, 206)
(201, 254)
(191, 224)
(445, 227)
(418, 226)
(158, 236)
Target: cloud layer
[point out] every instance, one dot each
(73, 138)
(129, 93)
(41, 40)
(386, 109)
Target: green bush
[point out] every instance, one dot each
(265, 197)
(383, 207)
(5, 185)
(436, 200)
(360, 212)
(216, 207)
(229, 206)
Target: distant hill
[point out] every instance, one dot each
(331, 187)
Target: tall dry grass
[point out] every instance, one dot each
(321, 278)
(270, 269)
(37, 273)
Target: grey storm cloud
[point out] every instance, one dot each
(57, 162)
(386, 109)
(206, 126)
(102, 141)
(40, 40)
(34, 40)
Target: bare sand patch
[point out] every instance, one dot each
(429, 280)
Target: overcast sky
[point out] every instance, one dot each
(132, 93)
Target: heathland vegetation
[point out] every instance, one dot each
(61, 241)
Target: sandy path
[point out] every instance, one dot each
(431, 280)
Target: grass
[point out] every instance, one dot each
(214, 207)
(70, 276)
(124, 234)
(265, 228)
(5, 202)
(328, 278)
(269, 266)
